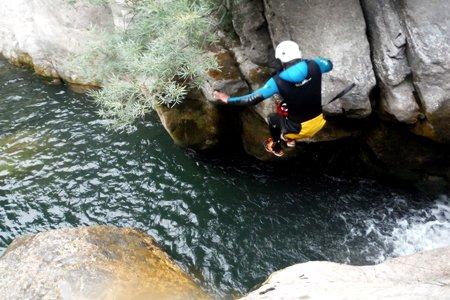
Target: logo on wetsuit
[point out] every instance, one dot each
(303, 82)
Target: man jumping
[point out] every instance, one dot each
(299, 83)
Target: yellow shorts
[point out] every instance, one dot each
(309, 128)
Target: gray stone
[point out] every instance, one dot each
(255, 75)
(332, 29)
(420, 276)
(398, 102)
(251, 26)
(388, 43)
(427, 32)
(194, 123)
(45, 33)
(227, 79)
(99, 262)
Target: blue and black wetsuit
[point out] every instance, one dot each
(300, 86)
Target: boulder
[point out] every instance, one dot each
(194, 123)
(427, 31)
(332, 29)
(43, 34)
(420, 276)
(388, 42)
(100, 262)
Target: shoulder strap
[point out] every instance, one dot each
(342, 93)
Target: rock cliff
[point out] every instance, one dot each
(98, 262)
(410, 45)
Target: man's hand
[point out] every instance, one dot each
(221, 96)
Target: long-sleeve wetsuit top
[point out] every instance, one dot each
(294, 74)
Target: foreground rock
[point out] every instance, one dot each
(98, 262)
(419, 276)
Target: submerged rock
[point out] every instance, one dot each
(420, 276)
(99, 262)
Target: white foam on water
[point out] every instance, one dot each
(395, 230)
(424, 230)
(421, 230)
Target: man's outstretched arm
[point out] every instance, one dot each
(267, 91)
(325, 64)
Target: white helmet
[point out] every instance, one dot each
(287, 51)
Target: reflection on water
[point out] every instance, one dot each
(230, 221)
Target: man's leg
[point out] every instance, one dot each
(275, 127)
(287, 128)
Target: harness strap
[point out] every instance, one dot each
(342, 93)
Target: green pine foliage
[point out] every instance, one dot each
(158, 56)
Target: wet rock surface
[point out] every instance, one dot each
(419, 276)
(100, 262)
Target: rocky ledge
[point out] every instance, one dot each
(420, 276)
(100, 262)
